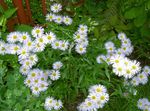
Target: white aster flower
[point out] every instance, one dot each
(146, 69)
(49, 103)
(13, 37)
(56, 8)
(56, 44)
(143, 79)
(54, 75)
(50, 37)
(64, 45)
(82, 29)
(50, 17)
(57, 104)
(67, 20)
(122, 36)
(24, 70)
(80, 49)
(37, 31)
(57, 65)
(23, 53)
(58, 19)
(24, 37)
(100, 59)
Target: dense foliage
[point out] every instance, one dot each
(105, 19)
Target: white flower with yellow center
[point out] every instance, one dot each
(67, 20)
(80, 49)
(50, 17)
(50, 37)
(54, 75)
(56, 8)
(13, 37)
(37, 31)
(58, 19)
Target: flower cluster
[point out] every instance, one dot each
(141, 78)
(26, 47)
(143, 104)
(51, 103)
(122, 66)
(81, 40)
(96, 99)
(38, 80)
(55, 8)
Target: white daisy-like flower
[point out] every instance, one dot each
(24, 37)
(33, 58)
(35, 90)
(50, 17)
(116, 59)
(14, 48)
(122, 36)
(143, 79)
(80, 49)
(49, 103)
(38, 47)
(41, 40)
(2, 47)
(104, 97)
(135, 81)
(109, 44)
(78, 37)
(97, 89)
(37, 31)
(56, 44)
(27, 63)
(119, 52)
(57, 104)
(13, 37)
(146, 69)
(33, 73)
(127, 50)
(29, 45)
(56, 8)
(24, 70)
(90, 105)
(43, 86)
(23, 53)
(54, 75)
(126, 42)
(100, 59)
(141, 103)
(57, 65)
(58, 19)
(28, 82)
(64, 45)
(82, 29)
(84, 42)
(67, 20)
(50, 37)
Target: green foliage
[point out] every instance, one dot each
(4, 16)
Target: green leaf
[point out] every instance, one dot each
(130, 14)
(8, 13)
(140, 20)
(23, 28)
(1, 9)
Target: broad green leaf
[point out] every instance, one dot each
(131, 13)
(140, 20)
(8, 13)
